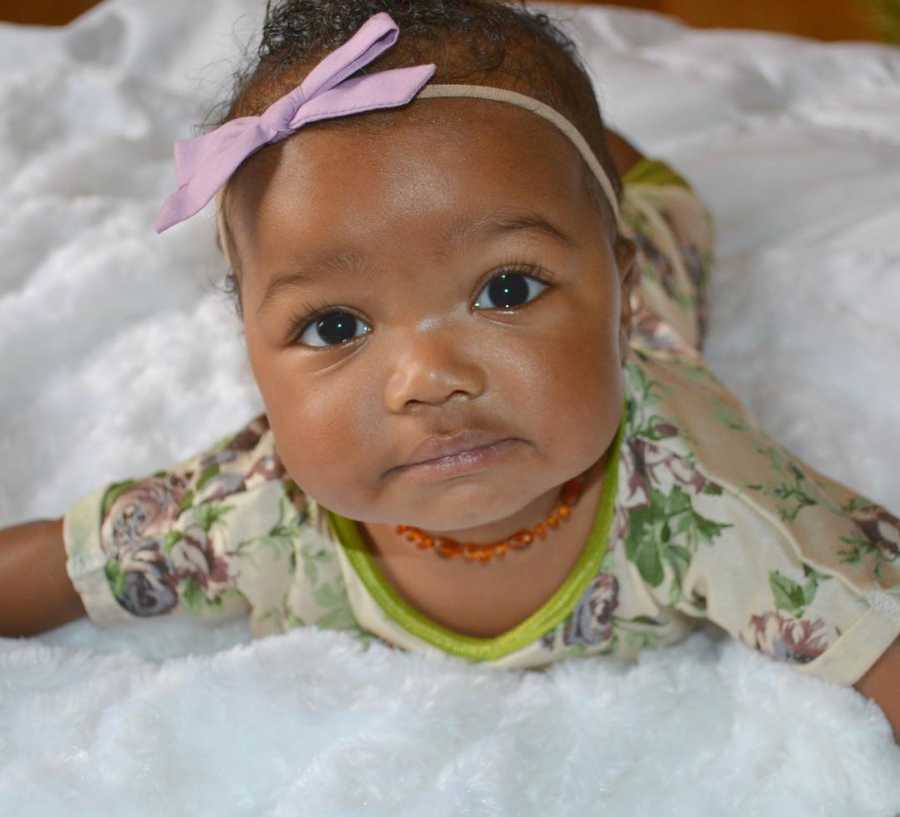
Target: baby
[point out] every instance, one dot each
(442, 465)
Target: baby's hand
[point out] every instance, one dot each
(36, 593)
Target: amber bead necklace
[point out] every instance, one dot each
(449, 548)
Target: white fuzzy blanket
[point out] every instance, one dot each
(118, 357)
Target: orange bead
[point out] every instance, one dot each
(476, 552)
(570, 497)
(553, 520)
(520, 539)
(540, 530)
(448, 550)
(564, 512)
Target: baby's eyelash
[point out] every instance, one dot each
(308, 312)
(525, 268)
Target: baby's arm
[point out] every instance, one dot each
(36, 593)
(882, 684)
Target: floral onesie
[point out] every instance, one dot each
(702, 517)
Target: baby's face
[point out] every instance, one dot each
(398, 235)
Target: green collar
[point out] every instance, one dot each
(532, 628)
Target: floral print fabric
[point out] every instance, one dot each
(713, 520)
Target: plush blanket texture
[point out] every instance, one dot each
(119, 356)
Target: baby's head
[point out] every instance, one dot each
(448, 265)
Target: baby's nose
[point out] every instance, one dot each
(431, 367)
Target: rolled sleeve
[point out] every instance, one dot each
(849, 658)
(86, 562)
(192, 538)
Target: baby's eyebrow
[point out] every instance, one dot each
(461, 231)
(497, 224)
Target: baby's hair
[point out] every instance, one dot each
(477, 42)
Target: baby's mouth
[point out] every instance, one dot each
(441, 446)
(462, 462)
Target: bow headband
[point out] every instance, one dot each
(204, 164)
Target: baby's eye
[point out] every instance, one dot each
(335, 328)
(510, 289)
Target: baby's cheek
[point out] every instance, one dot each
(595, 399)
(322, 442)
(567, 395)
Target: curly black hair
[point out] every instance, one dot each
(487, 42)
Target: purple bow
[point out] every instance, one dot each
(205, 163)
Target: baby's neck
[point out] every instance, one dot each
(485, 600)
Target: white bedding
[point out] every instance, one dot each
(117, 357)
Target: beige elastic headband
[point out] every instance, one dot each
(497, 95)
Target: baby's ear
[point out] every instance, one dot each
(629, 276)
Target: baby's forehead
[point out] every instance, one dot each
(461, 150)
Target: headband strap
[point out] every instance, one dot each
(204, 164)
(544, 111)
